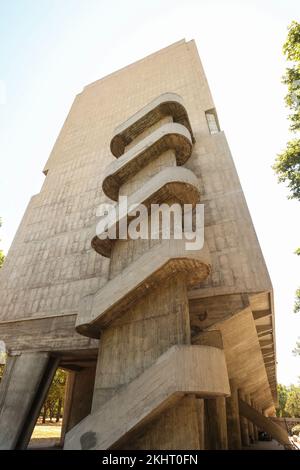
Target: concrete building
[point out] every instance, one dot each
(167, 348)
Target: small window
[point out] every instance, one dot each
(212, 121)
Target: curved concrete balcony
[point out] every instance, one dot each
(170, 136)
(167, 104)
(182, 370)
(148, 271)
(172, 182)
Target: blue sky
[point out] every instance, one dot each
(50, 49)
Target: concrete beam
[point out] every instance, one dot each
(277, 432)
(261, 314)
(22, 391)
(147, 272)
(197, 370)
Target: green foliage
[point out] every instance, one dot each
(296, 429)
(291, 49)
(293, 402)
(54, 402)
(1, 371)
(287, 163)
(296, 350)
(287, 167)
(2, 258)
(297, 301)
(288, 401)
(282, 392)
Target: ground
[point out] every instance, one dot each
(45, 435)
(265, 445)
(48, 436)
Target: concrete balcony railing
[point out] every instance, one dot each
(176, 183)
(165, 259)
(182, 370)
(169, 136)
(167, 104)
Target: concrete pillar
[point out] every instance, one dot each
(71, 375)
(254, 425)
(244, 423)
(176, 428)
(201, 423)
(216, 424)
(24, 386)
(79, 394)
(250, 424)
(233, 419)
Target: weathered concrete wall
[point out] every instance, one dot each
(51, 265)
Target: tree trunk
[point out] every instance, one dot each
(44, 414)
(58, 410)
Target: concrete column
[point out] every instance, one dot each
(250, 424)
(40, 397)
(216, 425)
(244, 423)
(254, 425)
(25, 384)
(201, 423)
(176, 428)
(233, 419)
(67, 404)
(80, 393)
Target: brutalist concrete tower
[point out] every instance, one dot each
(166, 347)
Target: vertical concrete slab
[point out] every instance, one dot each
(201, 422)
(250, 424)
(254, 425)
(216, 428)
(244, 424)
(176, 428)
(18, 389)
(233, 419)
(79, 393)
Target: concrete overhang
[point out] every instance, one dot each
(167, 104)
(171, 136)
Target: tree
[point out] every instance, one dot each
(293, 402)
(282, 392)
(291, 49)
(287, 163)
(287, 166)
(2, 366)
(296, 350)
(288, 401)
(53, 405)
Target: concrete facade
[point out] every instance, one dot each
(125, 314)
